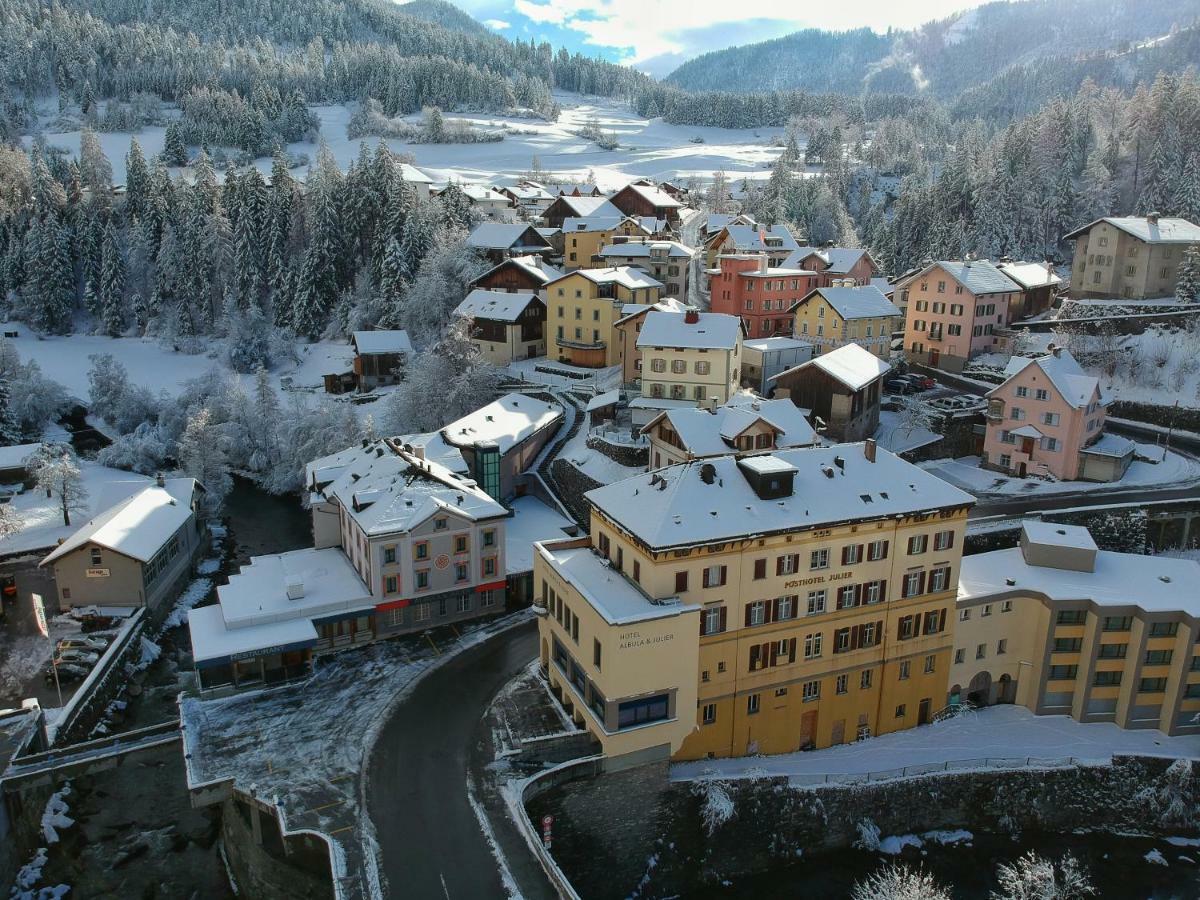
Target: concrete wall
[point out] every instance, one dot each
(265, 864)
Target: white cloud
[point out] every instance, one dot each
(497, 24)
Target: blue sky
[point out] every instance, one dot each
(657, 35)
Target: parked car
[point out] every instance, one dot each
(78, 657)
(92, 644)
(899, 386)
(67, 673)
(920, 382)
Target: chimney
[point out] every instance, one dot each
(708, 473)
(763, 262)
(1057, 351)
(869, 449)
(418, 451)
(1152, 218)
(160, 479)
(691, 316)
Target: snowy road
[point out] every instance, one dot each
(429, 839)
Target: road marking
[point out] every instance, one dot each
(445, 890)
(340, 830)
(327, 805)
(432, 644)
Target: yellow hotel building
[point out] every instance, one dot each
(1064, 628)
(763, 604)
(583, 307)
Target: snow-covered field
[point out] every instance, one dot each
(999, 733)
(648, 148)
(1174, 470)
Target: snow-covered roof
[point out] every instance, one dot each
(703, 433)
(976, 275)
(679, 506)
(665, 304)
(850, 364)
(1030, 275)
(413, 174)
(608, 398)
(645, 249)
(775, 344)
(652, 195)
(716, 221)
(327, 469)
(626, 276)
(138, 526)
(600, 222)
(213, 642)
(610, 593)
(1162, 231)
(384, 340)
(660, 403)
(500, 306)
(1064, 372)
(861, 302)
(758, 239)
(15, 457)
(886, 287)
(712, 331)
(1150, 583)
(532, 263)
(590, 206)
(482, 193)
(505, 236)
(506, 422)
(532, 521)
(1073, 537)
(392, 491)
(528, 192)
(1111, 445)
(1028, 431)
(837, 260)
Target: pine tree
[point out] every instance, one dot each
(112, 283)
(174, 152)
(50, 279)
(1186, 199)
(10, 430)
(1187, 288)
(137, 181)
(95, 171)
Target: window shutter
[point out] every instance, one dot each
(950, 543)
(723, 619)
(774, 652)
(855, 633)
(942, 621)
(703, 620)
(681, 579)
(878, 632)
(883, 586)
(921, 584)
(779, 565)
(792, 650)
(754, 651)
(773, 610)
(747, 615)
(846, 554)
(723, 576)
(760, 568)
(885, 550)
(900, 628)
(704, 579)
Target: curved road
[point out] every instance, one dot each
(429, 839)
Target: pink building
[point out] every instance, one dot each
(1048, 419)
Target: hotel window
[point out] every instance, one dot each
(877, 550)
(714, 576)
(1001, 646)
(873, 592)
(943, 540)
(708, 714)
(901, 710)
(720, 667)
(1192, 691)
(852, 554)
(1112, 651)
(811, 691)
(864, 679)
(391, 584)
(1152, 685)
(1050, 444)
(756, 613)
(461, 572)
(1117, 623)
(913, 584)
(840, 684)
(980, 651)
(904, 670)
(714, 619)
(703, 367)
(1164, 629)
(930, 663)
(847, 597)
(489, 538)
(816, 602)
(679, 366)
(421, 550)
(389, 555)
(489, 565)
(960, 656)
(917, 544)
(752, 704)
(1063, 673)
(819, 559)
(1067, 645)
(639, 712)
(1107, 679)
(787, 565)
(841, 640)
(681, 582)
(487, 598)
(939, 579)
(422, 579)
(1071, 617)
(423, 612)
(1158, 657)
(964, 615)
(785, 608)
(704, 675)
(460, 543)
(658, 365)
(812, 646)
(934, 621)
(463, 604)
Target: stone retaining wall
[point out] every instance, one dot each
(268, 866)
(625, 454)
(572, 485)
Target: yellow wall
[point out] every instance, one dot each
(580, 246)
(817, 321)
(573, 302)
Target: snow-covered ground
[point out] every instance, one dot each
(1174, 471)
(151, 364)
(593, 463)
(1004, 735)
(892, 434)
(532, 521)
(648, 148)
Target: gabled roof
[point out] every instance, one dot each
(652, 195)
(976, 275)
(705, 433)
(527, 192)
(599, 222)
(750, 238)
(862, 302)
(16, 456)
(850, 365)
(588, 206)
(414, 175)
(482, 193)
(499, 306)
(837, 260)
(1163, 231)
(626, 276)
(716, 221)
(505, 236)
(1030, 275)
(713, 331)
(505, 422)
(138, 526)
(712, 500)
(1073, 384)
(535, 265)
(633, 310)
(1028, 431)
(643, 249)
(384, 340)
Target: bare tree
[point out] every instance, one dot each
(1034, 878)
(10, 522)
(57, 472)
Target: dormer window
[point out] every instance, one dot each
(439, 524)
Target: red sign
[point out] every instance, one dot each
(442, 561)
(547, 822)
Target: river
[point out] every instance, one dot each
(262, 523)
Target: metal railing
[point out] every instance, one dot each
(982, 763)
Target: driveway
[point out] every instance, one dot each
(430, 841)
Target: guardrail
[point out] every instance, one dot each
(87, 752)
(981, 763)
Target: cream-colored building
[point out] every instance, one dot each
(831, 317)
(690, 355)
(1063, 628)
(758, 605)
(583, 237)
(505, 326)
(582, 308)
(1133, 257)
